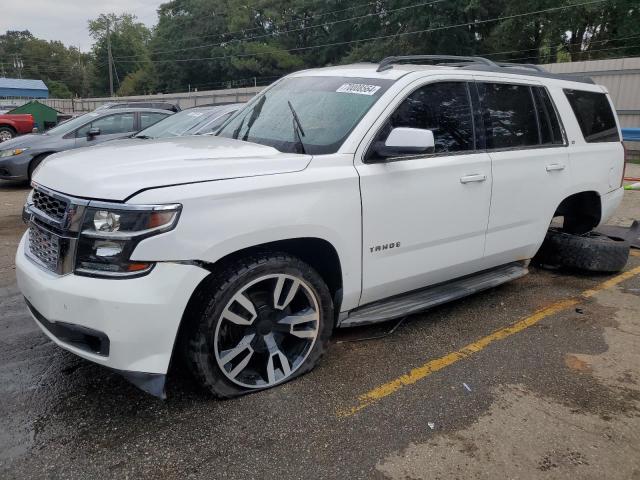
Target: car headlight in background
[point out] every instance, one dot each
(12, 152)
(110, 234)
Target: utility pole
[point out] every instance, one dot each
(110, 58)
(18, 64)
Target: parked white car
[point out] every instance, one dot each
(338, 196)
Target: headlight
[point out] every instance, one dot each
(11, 153)
(110, 234)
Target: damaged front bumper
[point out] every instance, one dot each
(126, 325)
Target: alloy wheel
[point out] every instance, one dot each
(267, 330)
(5, 135)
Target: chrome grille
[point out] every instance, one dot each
(44, 246)
(55, 221)
(50, 205)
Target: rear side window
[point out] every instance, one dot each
(444, 108)
(550, 130)
(509, 115)
(149, 118)
(594, 115)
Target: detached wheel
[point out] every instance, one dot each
(267, 320)
(592, 252)
(6, 133)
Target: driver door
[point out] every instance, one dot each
(111, 127)
(424, 217)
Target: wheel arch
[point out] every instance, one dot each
(38, 157)
(9, 126)
(319, 253)
(581, 211)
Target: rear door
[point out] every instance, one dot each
(424, 217)
(149, 118)
(530, 167)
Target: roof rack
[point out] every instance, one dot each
(482, 64)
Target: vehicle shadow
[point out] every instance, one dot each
(14, 185)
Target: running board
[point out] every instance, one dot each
(429, 297)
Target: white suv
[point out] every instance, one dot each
(337, 197)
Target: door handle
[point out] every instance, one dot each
(555, 167)
(476, 177)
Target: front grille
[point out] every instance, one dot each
(44, 246)
(50, 205)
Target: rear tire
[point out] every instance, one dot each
(591, 252)
(6, 133)
(262, 321)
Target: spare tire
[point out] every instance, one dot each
(592, 252)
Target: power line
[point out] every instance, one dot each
(383, 37)
(584, 52)
(285, 23)
(493, 54)
(284, 32)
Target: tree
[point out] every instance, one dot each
(129, 46)
(23, 55)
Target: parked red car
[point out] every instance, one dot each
(12, 125)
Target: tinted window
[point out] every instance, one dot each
(149, 118)
(593, 111)
(510, 117)
(443, 108)
(550, 131)
(119, 123)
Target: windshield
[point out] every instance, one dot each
(178, 124)
(71, 124)
(327, 109)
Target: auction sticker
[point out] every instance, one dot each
(359, 88)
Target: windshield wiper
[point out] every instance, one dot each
(298, 130)
(143, 137)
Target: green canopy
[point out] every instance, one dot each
(44, 116)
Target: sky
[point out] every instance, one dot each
(66, 20)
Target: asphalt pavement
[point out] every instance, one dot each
(538, 378)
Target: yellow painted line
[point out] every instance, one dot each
(423, 371)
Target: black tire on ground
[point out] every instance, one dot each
(35, 163)
(6, 133)
(591, 252)
(216, 297)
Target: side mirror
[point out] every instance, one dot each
(93, 132)
(404, 141)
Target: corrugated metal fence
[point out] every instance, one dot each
(621, 76)
(185, 100)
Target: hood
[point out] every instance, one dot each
(24, 141)
(117, 170)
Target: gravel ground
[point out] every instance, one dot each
(560, 399)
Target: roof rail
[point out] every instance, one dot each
(386, 63)
(482, 64)
(531, 66)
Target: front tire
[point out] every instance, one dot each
(35, 163)
(263, 321)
